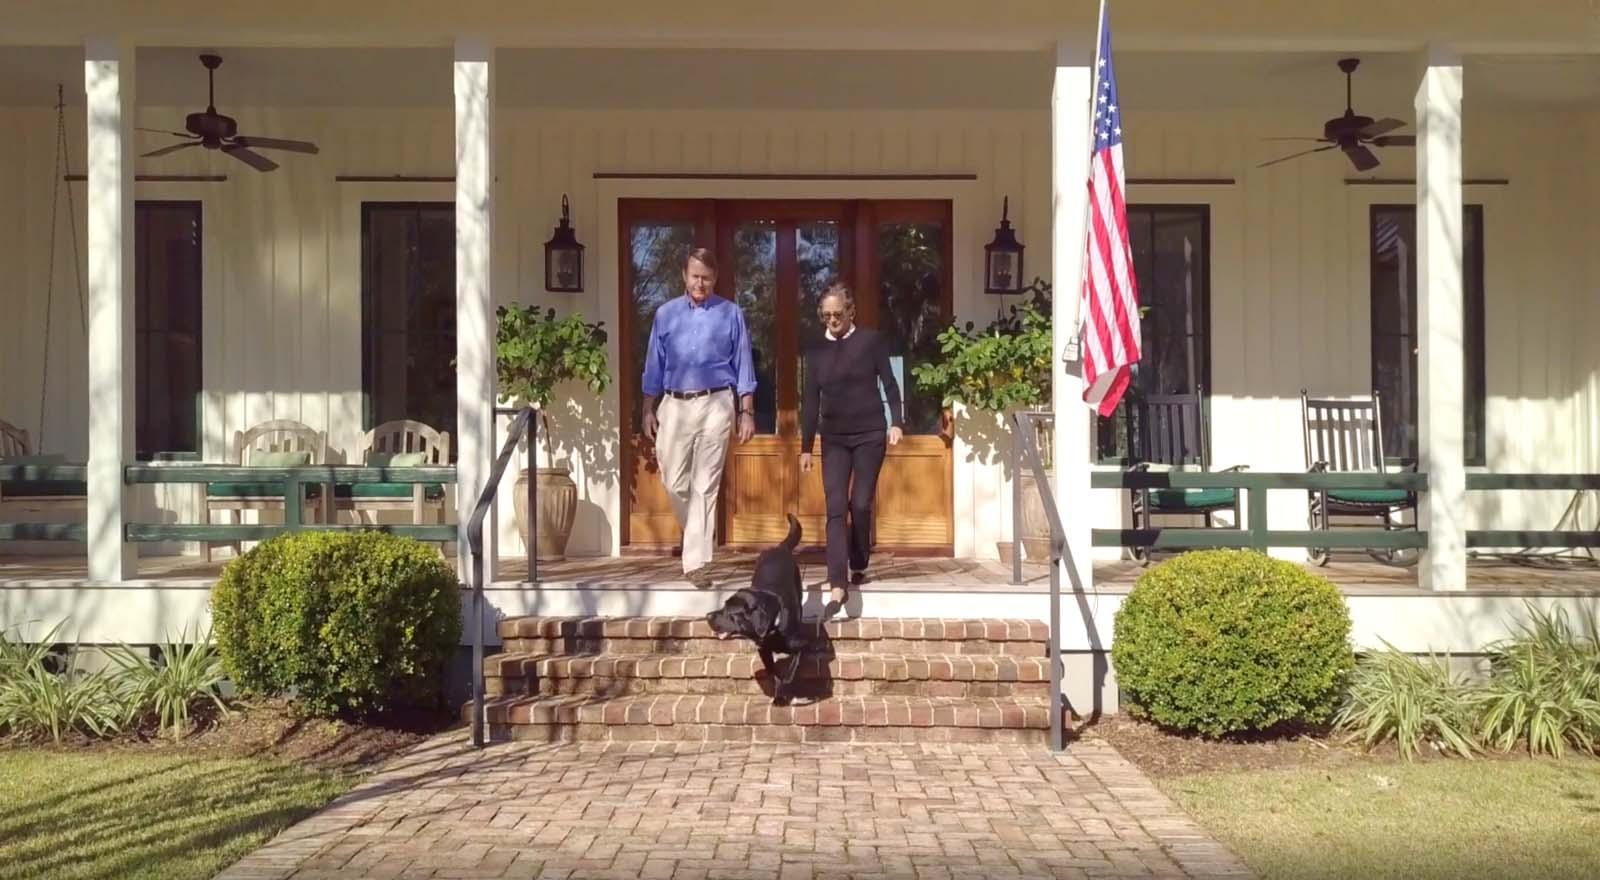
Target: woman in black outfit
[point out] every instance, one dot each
(841, 396)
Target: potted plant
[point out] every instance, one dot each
(534, 352)
(1002, 369)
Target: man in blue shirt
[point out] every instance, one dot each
(698, 364)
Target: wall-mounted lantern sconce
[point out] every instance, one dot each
(563, 257)
(1003, 258)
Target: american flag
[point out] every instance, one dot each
(1110, 291)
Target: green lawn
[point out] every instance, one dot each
(1439, 819)
(131, 815)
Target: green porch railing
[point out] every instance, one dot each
(290, 478)
(1254, 533)
(1533, 482)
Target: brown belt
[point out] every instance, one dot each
(691, 395)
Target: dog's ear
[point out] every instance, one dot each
(759, 618)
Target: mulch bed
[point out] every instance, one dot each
(1161, 754)
(272, 728)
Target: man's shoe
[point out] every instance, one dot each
(700, 577)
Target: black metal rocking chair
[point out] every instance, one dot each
(1173, 431)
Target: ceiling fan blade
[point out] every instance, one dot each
(1295, 155)
(172, 149)
(1382, 126)
(1395, 140)
(275, 144)
(177, 134)
(254, 160)
(1361, 157)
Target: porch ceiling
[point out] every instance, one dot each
(671, 79)
(883, 24)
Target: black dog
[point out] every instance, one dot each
(768, 612)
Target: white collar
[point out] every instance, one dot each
(831, 337)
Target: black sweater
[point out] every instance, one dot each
(841, 387)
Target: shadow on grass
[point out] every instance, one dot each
(129, 815)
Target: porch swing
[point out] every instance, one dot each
(16, 446)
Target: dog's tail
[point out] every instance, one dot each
(793, 539)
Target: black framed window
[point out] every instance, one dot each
(408, 313)
(1393, 235)
(1172, 264)
(166, 304)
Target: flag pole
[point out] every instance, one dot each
(1088, 174)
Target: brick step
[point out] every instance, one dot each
(938, 675)
(692, 635)
(755, 719)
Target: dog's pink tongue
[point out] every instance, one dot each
(723, 635)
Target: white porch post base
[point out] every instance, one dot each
(1069, 150)
(108, 73)
(474, 114)
(1440, 356)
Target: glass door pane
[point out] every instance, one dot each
(755, 286)
(656, 251)
(817, 254)
(910, 288)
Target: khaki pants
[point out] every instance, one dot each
(692, 447)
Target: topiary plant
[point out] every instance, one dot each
(1230, 641)
(350, 622)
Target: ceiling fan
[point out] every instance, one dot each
(1352, 133)
(215, 131)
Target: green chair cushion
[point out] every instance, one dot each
(43, 489)
(430, 491)
(294, 458)
(1370, 496)
(270, 488)
(257, 490)
(397, 459)
(1191, 499)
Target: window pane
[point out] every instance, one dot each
(408, 312)
(755, 285)
(657, 250)
(1170, 265)
(167, 296)
(910, 285)
(1395, 328)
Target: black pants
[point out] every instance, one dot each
(850, 464)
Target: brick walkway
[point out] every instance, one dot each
(706, 810)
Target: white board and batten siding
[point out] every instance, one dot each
(1288, 258)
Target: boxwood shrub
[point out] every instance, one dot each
(1221, 642)
(352, 622)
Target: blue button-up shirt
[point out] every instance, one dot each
(695, 347)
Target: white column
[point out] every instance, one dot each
(108, 85)
(474, 102)
(1440, 355)
(1069, 164)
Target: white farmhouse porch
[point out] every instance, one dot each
(502, 113)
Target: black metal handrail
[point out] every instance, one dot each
(1028, 449)
(523, 424)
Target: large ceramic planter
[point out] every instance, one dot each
(1035, 525)
(558, 504)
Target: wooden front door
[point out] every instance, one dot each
(775, 258)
